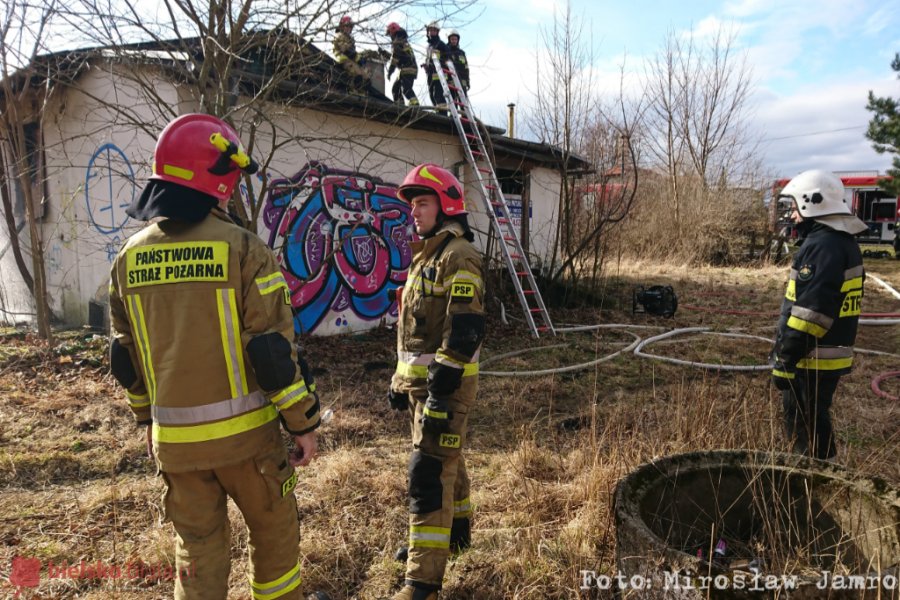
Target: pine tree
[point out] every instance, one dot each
(884, 130)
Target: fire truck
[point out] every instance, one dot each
(876, 207)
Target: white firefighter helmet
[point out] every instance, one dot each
(819, 195)
(452, 33)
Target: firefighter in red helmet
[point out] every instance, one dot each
(439, 335)
(201, 340)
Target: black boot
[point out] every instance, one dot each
(460, 535)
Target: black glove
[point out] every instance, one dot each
(398, 400)
(782, 375)
(436, 415)
(390, 71)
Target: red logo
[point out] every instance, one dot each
(26, 572)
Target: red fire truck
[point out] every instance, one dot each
(876, 207)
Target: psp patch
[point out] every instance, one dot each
(450, 440)
(288, 486)
(462, 292)
(805, 273)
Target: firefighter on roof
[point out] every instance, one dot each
(404, 59)
(345, 53)
(460, 62)
(201, 341)
(439, 335)
(436, 49)
(820, 311)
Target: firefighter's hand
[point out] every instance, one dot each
(782, 376)
(305, 451)
(398, 400)
(390, 71)
(436, 415)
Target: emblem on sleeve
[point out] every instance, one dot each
(805, 273)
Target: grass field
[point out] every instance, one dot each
(544, 455)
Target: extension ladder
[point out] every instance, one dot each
(536, 314)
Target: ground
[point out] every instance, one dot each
(545, 452)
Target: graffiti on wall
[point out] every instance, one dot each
(342, 241)
(109, 189)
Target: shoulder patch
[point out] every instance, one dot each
(805, 273)
(462, 291)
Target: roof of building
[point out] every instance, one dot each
(315, 81)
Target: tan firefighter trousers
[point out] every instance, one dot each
(439, 492)
(263, 490)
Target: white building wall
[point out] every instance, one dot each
(330, 212)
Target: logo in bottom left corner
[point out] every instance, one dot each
(26, 573)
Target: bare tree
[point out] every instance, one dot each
(23, 35)
(697, 104)
(567, 113)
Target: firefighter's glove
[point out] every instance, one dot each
(398, 400)
(390, 71)
(436, 415)
(783, 376)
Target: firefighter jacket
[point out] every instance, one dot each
(821, 307)
(345, 48)
(458, 56)
(403, 57)
(201, 339)
(441, 323)
(436, 49)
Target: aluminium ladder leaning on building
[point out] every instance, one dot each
(460, 108)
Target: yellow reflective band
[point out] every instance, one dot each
(160, 264)
(137, 400)
(465, 276)
(178, 172)
(228, 328)
(139, 327)
(852, 284)
(433, 413)
(462, 508)
(429, 537)
(281, 586)
(782, 374)
(852, 304)
(290, 395)
(825, 364)
(806, 327)
(217, 430)
(421, 371)
(791, 292)
(444, 359)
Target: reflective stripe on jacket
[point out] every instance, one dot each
(185, 300)
(822, 303)
(443, 265)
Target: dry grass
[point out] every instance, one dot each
(544, 455)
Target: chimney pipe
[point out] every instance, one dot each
(511, 121)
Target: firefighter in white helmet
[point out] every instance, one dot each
(439, 336)
(201, 341)
(820, 311)
(460, 62)
(439, 50)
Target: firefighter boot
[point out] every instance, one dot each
(410, 593)
(460, 535)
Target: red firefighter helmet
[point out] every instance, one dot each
(436, 180)
(346, 20)
(392, 28)
(201, 152)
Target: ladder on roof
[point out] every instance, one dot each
(495, 206)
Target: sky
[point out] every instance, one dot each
(813, 63)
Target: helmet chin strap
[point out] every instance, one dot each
(438, 222)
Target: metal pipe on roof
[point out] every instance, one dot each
(511, 121)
